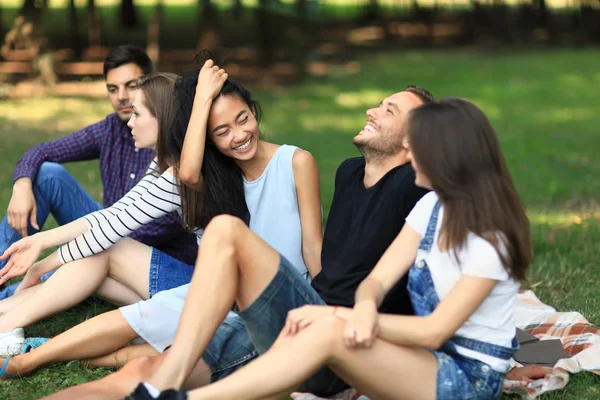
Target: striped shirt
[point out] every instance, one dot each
(154, 196)
(121, 166)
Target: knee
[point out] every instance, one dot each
(224, 227)
(141, 367)
(51, 170)
(330, 330)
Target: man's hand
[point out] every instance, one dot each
(22, 207)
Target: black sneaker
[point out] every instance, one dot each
(141, 393)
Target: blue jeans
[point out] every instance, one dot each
(167, 272)
(266, 317)
(56, 192)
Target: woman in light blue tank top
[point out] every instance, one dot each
(281, 188)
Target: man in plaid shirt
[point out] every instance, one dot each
(42, 186)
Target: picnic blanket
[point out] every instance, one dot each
(579, 338)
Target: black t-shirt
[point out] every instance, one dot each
(362, 223)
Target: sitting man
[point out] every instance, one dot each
(373, 196)
(42, 186)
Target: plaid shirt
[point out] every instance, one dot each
(121, 167)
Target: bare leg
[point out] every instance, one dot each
(123, 356)
(124, 381)
(134, 275)
(117, 293)
(385, 371)
(95, 337)
(71, 284)
(88, 275)
(110, 290)
(234, 264)
(17, 299)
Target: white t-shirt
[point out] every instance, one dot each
(494, 320)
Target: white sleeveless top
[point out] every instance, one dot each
(273, 206)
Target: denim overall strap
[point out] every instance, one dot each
(494, 350)
(427, 240)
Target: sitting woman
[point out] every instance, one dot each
(281, 189)
(466, 246)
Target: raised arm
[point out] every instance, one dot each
(308, 193)
(210, 82)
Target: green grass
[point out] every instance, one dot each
(542, 104)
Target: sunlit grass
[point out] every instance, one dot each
(542, 105)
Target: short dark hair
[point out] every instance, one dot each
(127, 54)
(421, 93)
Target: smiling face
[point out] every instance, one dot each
(233, 128)
(122, 85)
(144, 125)
(383, 133)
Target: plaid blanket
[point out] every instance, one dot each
(579, 338)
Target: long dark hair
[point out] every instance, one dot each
(222, 189)
(456, 148)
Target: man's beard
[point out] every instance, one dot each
(378, 148)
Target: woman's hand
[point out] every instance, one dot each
(362, 327)
(304, 316)
(22, 255)
(210, 81)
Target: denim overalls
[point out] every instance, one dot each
(458, 377)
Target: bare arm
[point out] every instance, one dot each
(362, 327)
(210, 82)
(433, 330)
(394, 263)
(306, 176)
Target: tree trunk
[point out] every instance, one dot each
(266, 46)
(94, 33)
(153, 48)
(74, 30)
(210, 38)
(31, 12)
(128, 15)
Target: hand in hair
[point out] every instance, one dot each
(210, 81)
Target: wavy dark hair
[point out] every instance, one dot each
(456, 147)
(222, 189)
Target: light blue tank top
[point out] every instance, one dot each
(273, 206)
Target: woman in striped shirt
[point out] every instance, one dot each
(268, 162)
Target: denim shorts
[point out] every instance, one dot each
(230, 348)
(167, 272)
(266, 317)
(463, 378)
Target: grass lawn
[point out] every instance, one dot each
(542, 104)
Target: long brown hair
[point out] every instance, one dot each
(159, 99)
(456, 148)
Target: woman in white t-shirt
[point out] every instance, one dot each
(466, 246)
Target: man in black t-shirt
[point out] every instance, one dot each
(373, 196)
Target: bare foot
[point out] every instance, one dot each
(13, 368)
